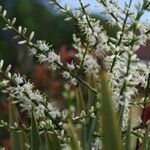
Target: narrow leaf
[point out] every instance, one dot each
(52, 141)
(80, 100)
(35, 137)
(128, 138)
(146, 140)
(73, 137)
(18, 140)
(110, 131)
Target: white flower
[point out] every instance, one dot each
(52, 57)
(38, 96)
(42, 58)
(66, 75)
(27, 87)
(1, 64)
(33, 51)
(53, 111)
(18, 80)
(96, 35)
(91, 66)
(4, 83)
(40, 110)
(97, 145)
(42, 45)
(73, 81)
(70, 66)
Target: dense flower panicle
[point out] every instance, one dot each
(91, 66)
(113, 11)
(137, 74)
(95, 34)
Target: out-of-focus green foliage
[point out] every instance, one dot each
(109, 118)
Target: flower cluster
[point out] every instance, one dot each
(22, 91)
(95, 34)
(91, 66)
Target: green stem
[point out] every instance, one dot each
(121, 108)
(121, 37)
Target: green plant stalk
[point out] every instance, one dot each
(121, 108)
(52, 141)
(121, 37)
(80, 100)
(35, 137)
(17, 139)
(146, 140)
(73, 137)
(111, 135)
(80, 108)
(128, 137)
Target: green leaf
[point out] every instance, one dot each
(91, 125)
(52, 142)
(110, 131)
(128, 138)
(80, 100)
(49, 143)
(146, 141)
(35, 137)
(81, 107)
(91, 96)
(73, 137)
(18, 140)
